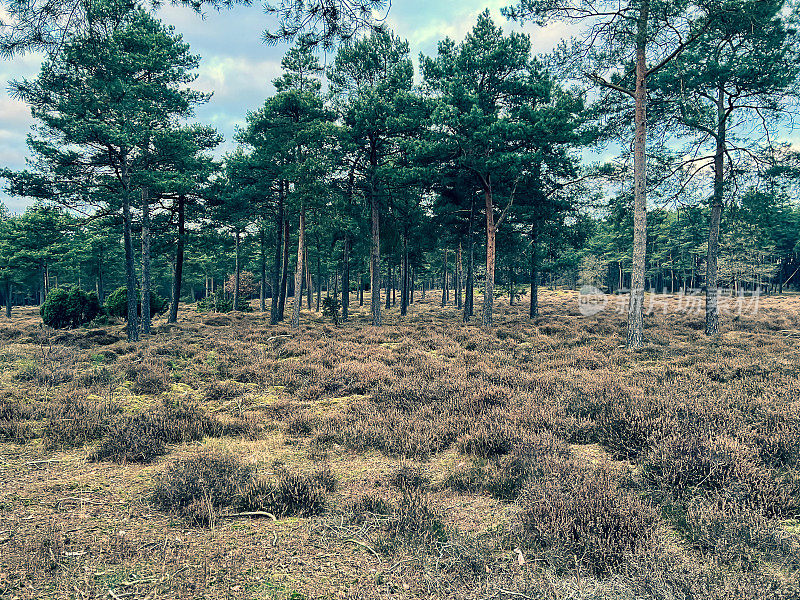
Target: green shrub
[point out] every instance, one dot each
(117, 303)
(330, 309)
(220, 303)
(69, 308)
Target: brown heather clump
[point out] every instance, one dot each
(143, 436)
(585, 515)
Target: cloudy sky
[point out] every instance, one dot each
(238, 68)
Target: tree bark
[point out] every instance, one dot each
(298, 276)
(9, 300)
(262, 296)
(534, 312)
(459, 276)
(346, 278)
(132, 326)
(101, 294)
(636, 306)
(444, 278)
(145, 261)
(177, 276)
(404, 279)
(319, 277)
(274, 315)
(491, 231)
(470, 288)
(237, 274)
(714, 217)
(130, 269)
(388, 283)
(308, 282)
(375, 249)
(285, 269)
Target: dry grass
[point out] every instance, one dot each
(422, 459)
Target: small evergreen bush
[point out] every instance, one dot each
(117, 303)
(69, 308)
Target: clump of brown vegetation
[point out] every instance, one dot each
(586, 515)
(143, 436)
(77, 419)
(200, 487)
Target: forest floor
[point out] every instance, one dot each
(422, 459)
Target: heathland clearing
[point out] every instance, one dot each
(425, 458)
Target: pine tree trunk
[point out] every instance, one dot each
(404, 279)
(469, 293)
(101, 293)
(534, 312)
(145, 261)
(388, 284)
(319, 278)
(262, 295)
(9, 299)
(346, 278)
(285, 268)
(237, 274)
(298, 277)
(459, 276)
(488, 291)
(444, 279)
(177, 276)
(712, 284)
(274, 315)
(636, 306)
(375, 249)
(130, 269)
(360, 288)
(308, 282)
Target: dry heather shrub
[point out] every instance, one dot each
(777, 437)
(292, 494)
(220, 391)
(14, 409)
(413, 516)
(198, 487)
(76, 419)
(626, 425)
(143, 436)
(685, 462)
(411, 519)
(586, 515)
(16, 431)
(537, 455)
(301, 423)
(149, 377)
(737, 535)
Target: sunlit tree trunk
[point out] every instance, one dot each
(712, 284)
(298, 277)
(488, 292)
(274, 315)
(636, 306)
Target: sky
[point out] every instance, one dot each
(238, 67)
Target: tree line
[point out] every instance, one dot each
(471, 175)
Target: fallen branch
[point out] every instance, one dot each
(255, 513)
